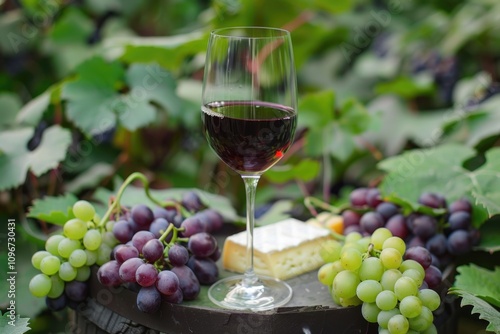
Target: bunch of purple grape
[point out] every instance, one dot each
(436, 239)
(164, 255)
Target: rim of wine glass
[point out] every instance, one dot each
(219, 32)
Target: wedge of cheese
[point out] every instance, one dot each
(281, 250)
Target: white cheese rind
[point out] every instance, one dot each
(282, 250)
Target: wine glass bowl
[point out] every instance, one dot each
(249, 119)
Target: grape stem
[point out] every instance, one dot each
(115, 205)
(167, 231)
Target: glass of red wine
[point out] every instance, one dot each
(249, 119)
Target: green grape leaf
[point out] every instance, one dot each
(316, 109)
(13, 324)
(490, 235)
(92, 97)
(480, 282)
(53, 209)
(90, 178)
(72, 27)
(441, 170)
(338, 141)
(31, 113)
(16, 160)
(481, 307)
(334, 7)
(305, 170)
(136, 195)
(354, 117)
(9, 104)
(279, 211)
(407, 87)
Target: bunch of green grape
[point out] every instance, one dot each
(372, 272)
(65, 262)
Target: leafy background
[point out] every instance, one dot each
(397, 94)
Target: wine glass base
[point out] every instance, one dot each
(264, 294)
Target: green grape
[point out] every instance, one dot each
(109, 239)
(91, 257)
(351, 259)
(57, 288)
(83, 273)
(103, 254)
(368, 290)
(67, 246)
(96, 219)
(391, 258)
(83, 210)
(109, 225)
(345, 284)
(410, 306)
(404, 287)
(415, 275)
(92, 239)
(346, 302)
(384, 317)
(379, 236)
(38, 257)
(389, 278)
(371, 269)
(328, 271)
(352, 237)
(398, 324)
(75, 229)
(412, 264)
(364, 243)
(429, 298)
(395, 242)
(335, 298)
(50, 265)
(330, 251)
(430, 330)
(370, 312)
(67, 272)
(422, 321)
(78, 258)
(386, 300)
(383, 330)
(52, 244)
(40, 285)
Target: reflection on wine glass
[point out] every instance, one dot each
(249, 119)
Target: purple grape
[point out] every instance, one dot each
(135, 227)
(459, 242)
(191, 201)
(108, 274)
(419, 254)
(433, 277)
(202, 244)
(132, 286)
(210, 219)
(128, 269)
(432, 200)
(56, 304)
(125, 252)
(424, 226)
(205, 269)
(175, 298)
(192, 225)
(435, 261)
(358, 197)
(167, 214)
(387, 210)
(216, 255)
(350, 218)
(352, 228)
(167, 283)
(149, 299)
(153, 250)
(158, 226)
(371, 221)
(189, 284)
(76, 290)
(140, 238)
(373, 198)
(142, 215)
(461, 205)
(397, 225)
(178, 219)
(415, 241)
(146, 274)
(475, 236)
(178, 255)
(122, 231)
(459, 220)
(437, 244)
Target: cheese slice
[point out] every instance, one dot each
(281, 250)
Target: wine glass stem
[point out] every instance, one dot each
(250, 189)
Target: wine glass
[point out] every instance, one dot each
(249, 119)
